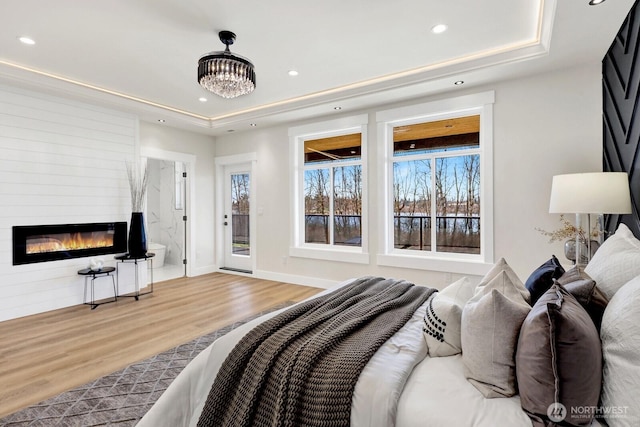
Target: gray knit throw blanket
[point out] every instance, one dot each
(300, 367)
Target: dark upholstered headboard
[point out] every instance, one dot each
(621, 115)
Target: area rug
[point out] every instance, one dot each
(121, 398)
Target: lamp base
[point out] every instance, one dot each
(570, 250)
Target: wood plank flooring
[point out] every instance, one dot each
(48, 353)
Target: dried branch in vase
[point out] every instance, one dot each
(569, 231)
(137, 185)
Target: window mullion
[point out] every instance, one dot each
(331, 204)
(434, 211)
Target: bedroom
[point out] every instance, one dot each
(550, 118)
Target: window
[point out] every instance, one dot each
(438, 196)
(333, 190)
(329, 189)
(436, 186)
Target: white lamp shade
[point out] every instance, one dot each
(597, 193)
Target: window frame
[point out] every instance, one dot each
(478, 104)
(297, 136)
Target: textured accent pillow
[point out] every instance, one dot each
(584, 289)
(620, 336)
(616, 262)
(490, 327)
(558, 359)
(542, 278)
(442, 320)
(502, 267)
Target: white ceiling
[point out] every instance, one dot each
(141, 55)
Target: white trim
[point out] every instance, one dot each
(486, 183)
(481, 104)
(236, 158)
(220, 162)
(190, 162)
(329, 128)
(441, 108)
(418, 262)
(330, 253)
(157, 153)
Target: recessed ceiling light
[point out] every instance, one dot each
(596, 2)
(202, 99)
(459, 82)
(161, 120)
(337, 108)
(293, 73)
(253, 125)
(439, 29)
(27, 40)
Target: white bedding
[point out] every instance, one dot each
(435, 393)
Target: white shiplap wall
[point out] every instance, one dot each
(61, 162)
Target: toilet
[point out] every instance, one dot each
(159, 250)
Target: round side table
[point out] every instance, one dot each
(94, 274)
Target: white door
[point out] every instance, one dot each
(237, 218)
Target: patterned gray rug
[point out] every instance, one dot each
(122, 398)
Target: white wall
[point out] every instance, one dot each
(543, 125)
(60, 162)
(160, 137)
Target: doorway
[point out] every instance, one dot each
(236, 214)
(167, 212)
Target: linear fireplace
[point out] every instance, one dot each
(40, 243)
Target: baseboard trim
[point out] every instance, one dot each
(295, 279)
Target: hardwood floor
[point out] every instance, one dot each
(48, 353)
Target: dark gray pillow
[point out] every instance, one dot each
(584, 289)
(559, 357)
(542, 278)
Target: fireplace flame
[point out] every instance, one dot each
(68, 242)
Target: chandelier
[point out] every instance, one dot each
(225, 74)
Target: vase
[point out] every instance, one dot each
(137, 236)
(570, 250)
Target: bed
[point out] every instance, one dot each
(424, 376)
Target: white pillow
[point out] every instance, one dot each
(616, 262)
(501, 267)
(620, 335)
(491, 323)
(442, 320)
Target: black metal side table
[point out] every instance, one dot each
(94, 274)
(135, 259)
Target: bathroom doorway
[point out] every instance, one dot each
(166, 213)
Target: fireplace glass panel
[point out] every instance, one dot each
(42, 243)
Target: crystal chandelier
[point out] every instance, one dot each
(225, 74)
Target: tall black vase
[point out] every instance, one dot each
(137, 235)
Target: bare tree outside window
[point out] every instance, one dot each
(316, 205)
(240, 197)
(347, 202)
(333, 191)
(454, 182)
(412, 204)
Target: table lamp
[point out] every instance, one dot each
(589, 193)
